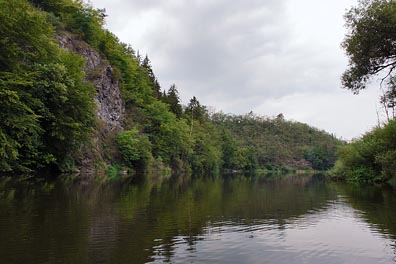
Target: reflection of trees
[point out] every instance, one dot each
(128, 223)
(377, 205)
(41, 223)
(186, 211)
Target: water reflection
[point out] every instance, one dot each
(233, 219)
(376, 204)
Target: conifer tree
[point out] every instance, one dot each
(173, 99)
(146, 63)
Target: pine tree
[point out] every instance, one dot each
(172, 98)
(154, 84)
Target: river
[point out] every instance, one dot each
(231, 219)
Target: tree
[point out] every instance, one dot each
(168, 135)
(371, 46)
(64, 102)
(19, 132)
(46, 106)
(172, 98)
(194, 111)
(135, 148)
(369, 159)
(26, 36)
(155, 86)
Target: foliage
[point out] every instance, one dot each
(371, 50)
(19, 132)
(370, 46)
(135, 148)
(153, 82)
(47, 108)
(173, 100)
(169, 135)
(135, 82)
(67, 105)
(369, 159)
(387, 163)
(26, 36)
(250, 141)
(206, 153)
(321, 156)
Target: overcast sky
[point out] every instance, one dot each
(265, 56)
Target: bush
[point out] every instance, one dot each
(369, 159)
(135, 148)
(387, 161)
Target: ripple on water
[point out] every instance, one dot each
(333, 234)
(214, 221)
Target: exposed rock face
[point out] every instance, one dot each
(110, 108)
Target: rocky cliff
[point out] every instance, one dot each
(110, 107)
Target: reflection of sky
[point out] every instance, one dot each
(337, 234)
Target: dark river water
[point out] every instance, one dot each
(233, 219)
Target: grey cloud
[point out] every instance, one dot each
(242, 48)
(213, 45)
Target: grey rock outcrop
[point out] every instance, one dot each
(110, 107)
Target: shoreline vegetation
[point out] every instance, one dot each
(75, 99)
(370, 159)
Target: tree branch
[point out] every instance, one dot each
(380, 68)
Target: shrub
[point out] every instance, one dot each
(135, 148)
(369, 159)
(387, 161)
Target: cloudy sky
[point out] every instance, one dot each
(265, 56)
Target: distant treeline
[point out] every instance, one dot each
(47, 108)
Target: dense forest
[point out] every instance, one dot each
(53, 57)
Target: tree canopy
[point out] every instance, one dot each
(46, 107)
(371, 47)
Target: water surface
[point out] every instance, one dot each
(234, 219)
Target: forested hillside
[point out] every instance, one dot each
(72, 96)
(274, 142)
